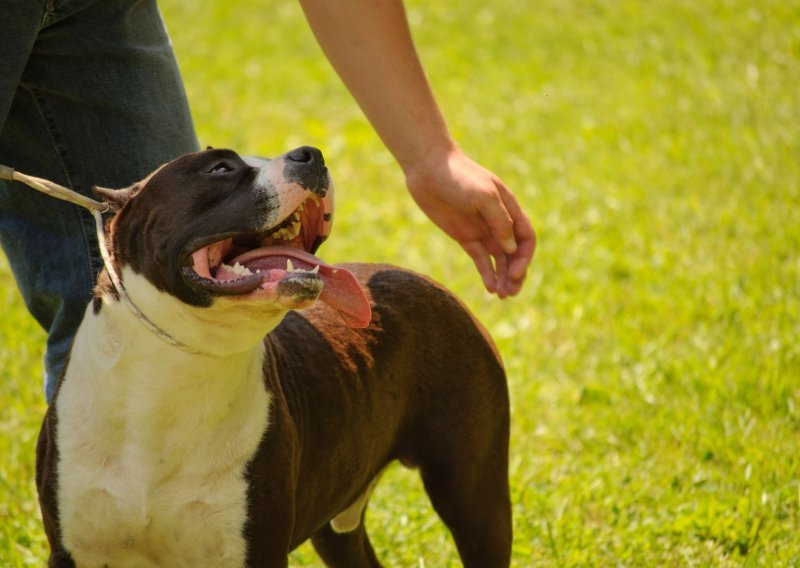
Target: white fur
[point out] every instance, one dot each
(153, 441)
(271, 182)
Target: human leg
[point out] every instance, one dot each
(99, 101)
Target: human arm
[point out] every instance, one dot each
(369, 44)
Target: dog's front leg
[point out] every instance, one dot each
(272, 477)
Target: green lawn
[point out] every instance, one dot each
(654, 355)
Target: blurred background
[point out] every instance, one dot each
(653, 356)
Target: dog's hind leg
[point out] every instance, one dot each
(345, 549)
(473, 501)
(462, 455)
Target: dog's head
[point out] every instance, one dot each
(215, 229)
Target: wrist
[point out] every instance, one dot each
(427, 158)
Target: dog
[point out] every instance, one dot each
(247, 396)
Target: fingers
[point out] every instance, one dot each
(498, 217)
(510, 243)
(483, 262)
(501, 272)
(524, 235)
(492, 264)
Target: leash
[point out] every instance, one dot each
(97, 209)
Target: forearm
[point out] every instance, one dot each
(369, 44)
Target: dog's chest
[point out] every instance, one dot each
(157, 480)
(123, 522)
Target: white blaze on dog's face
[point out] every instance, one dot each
(211, 233)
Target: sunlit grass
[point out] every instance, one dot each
(653, 357)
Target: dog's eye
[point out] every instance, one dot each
(221, 168)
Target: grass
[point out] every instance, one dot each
(654, 356)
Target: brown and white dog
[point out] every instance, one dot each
(246, 428)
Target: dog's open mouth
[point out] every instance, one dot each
(279, 261)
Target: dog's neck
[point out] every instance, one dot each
(229, 326)
(115, 349)
(126, 367)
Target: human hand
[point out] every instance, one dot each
(474, 207)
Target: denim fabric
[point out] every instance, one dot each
(90, 94)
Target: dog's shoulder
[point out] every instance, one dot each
(403, 302)
(386, 284)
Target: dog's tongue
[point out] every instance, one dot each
(342, 292)
(340, 289)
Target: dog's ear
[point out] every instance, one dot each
(115, 198)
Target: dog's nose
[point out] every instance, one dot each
(306, 155)
(306, 166)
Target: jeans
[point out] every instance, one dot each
(90, 94)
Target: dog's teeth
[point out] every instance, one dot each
(237, 269)
(291, 268)
(290, 230)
